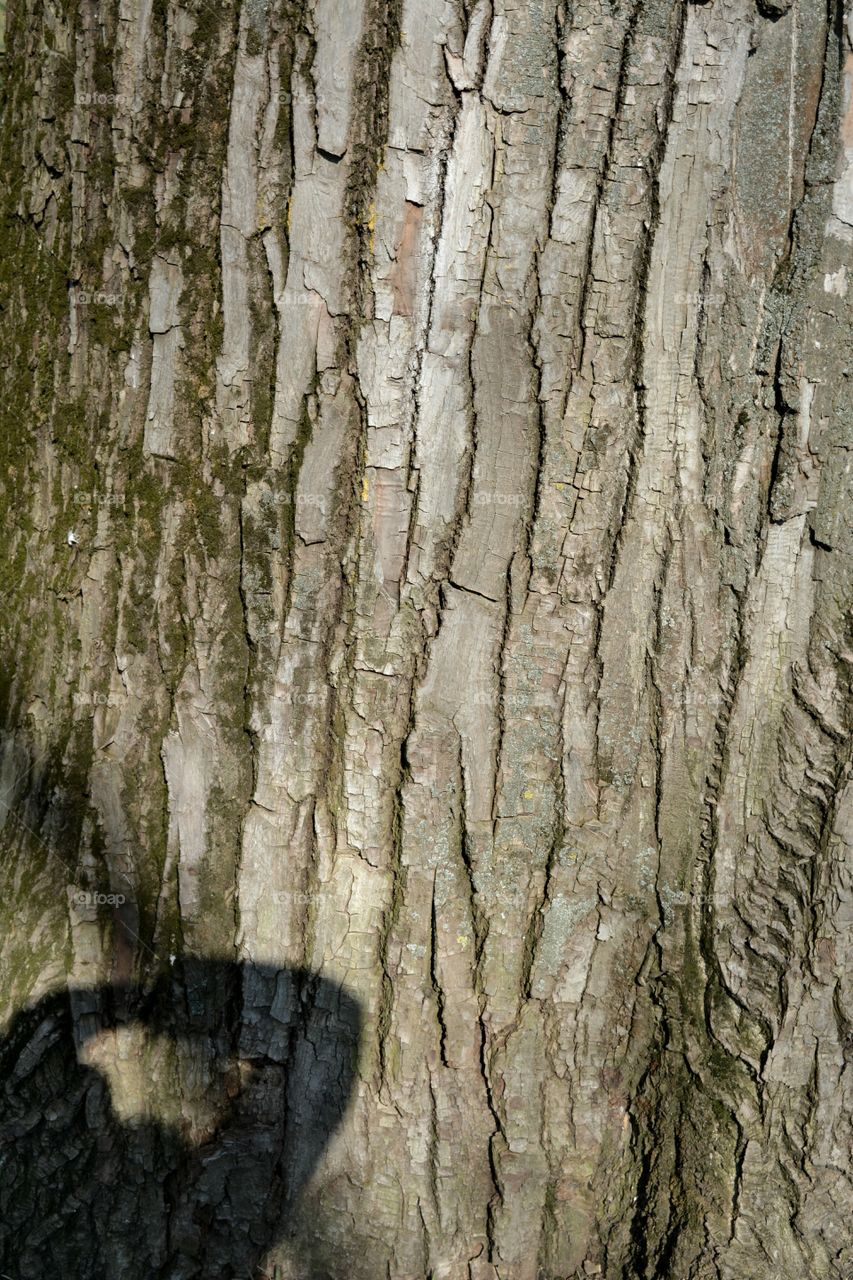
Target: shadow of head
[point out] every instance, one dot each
(168, 1130)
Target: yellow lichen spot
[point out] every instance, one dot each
(462, 940)
(559, 485)
(370, 224)
(528, 794)
(365, 489)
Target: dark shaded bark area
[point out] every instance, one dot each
(91, 1187)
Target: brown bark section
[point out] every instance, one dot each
(426, 466)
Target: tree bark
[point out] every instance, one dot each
(427, 757)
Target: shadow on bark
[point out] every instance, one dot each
(170, 1131)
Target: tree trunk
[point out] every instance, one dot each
(428, 844)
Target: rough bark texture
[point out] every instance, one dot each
(450, 404)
